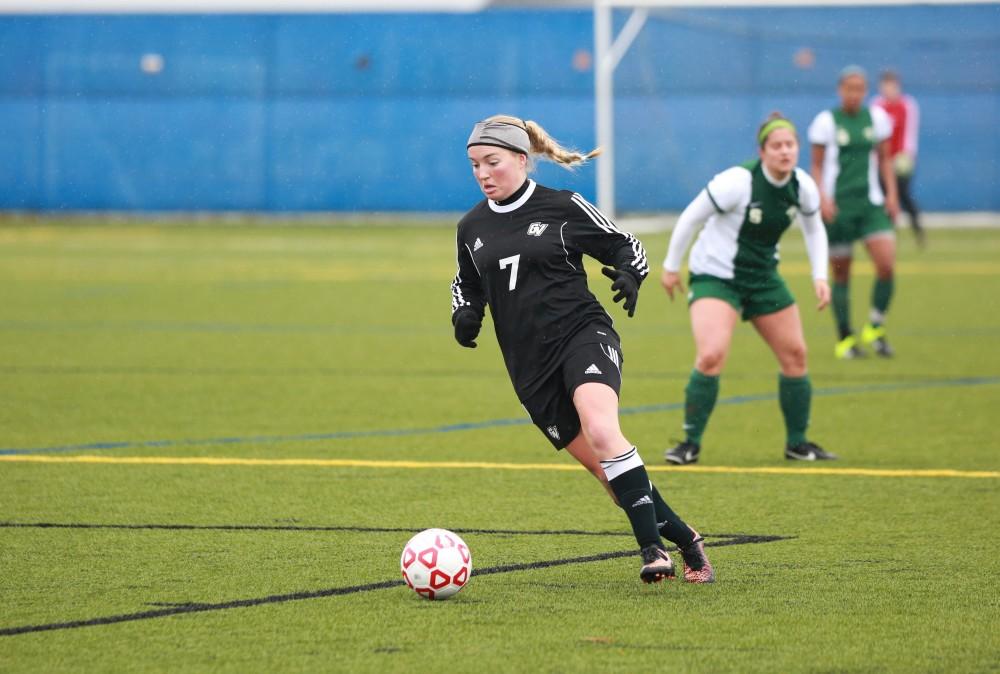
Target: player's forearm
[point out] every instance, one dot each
(629, 255)
(466, 295)
(696, 212)
(912, 128)
(816, 168)
(592, 233)
(817, 246)
(477, 305)
(817, 174)
(888, 174)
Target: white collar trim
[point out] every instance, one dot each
(771, 179)
(497, 208)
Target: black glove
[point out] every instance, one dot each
(627, 287)
(467, 323)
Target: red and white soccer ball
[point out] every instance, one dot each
(436, 563)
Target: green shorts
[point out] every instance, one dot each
(762, 297)
(857, 223)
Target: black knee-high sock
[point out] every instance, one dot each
(630, 483)
(671, 526)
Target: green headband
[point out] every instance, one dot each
(771, 126)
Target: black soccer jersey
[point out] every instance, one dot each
(525, 260)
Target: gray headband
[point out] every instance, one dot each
(501, 134)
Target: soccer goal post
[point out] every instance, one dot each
(610, 46)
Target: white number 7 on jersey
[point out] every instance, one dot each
(512, 262)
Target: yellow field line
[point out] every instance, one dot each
(416, 465)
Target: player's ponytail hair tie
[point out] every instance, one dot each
(773, 122)
(526, 137)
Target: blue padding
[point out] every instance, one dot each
(156, 154)
(371, 111)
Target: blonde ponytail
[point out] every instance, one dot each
(545, 145)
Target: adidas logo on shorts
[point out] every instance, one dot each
(593, 369)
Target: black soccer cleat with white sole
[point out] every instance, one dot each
(683, 454)
(656, 565)
(808, 451)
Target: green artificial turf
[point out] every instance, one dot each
(171, 342)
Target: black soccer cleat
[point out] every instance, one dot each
(683, 454)
(808, 451)
(656, 565)
(882, 348)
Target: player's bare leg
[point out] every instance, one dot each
(597, 407)
(782, 331)
(627, 481)
(581, 450)
(712, 323)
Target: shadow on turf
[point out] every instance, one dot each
(193, 607)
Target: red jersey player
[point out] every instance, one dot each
(905, 115)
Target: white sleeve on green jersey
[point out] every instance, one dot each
(812, 226)
(729, 189)
(697, 212)
(881, 123)
(817, 246)
(823, 129)
(720, 206)
(808, 192)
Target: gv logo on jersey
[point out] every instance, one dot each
(843, 138)
(791, 212)
(755, 215)
(536, 228)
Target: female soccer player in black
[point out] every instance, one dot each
(520, 251)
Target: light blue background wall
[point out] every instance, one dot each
(370, 112)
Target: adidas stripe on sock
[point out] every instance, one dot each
(629, 481)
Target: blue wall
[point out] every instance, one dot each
(370, 112)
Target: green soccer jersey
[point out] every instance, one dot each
(850, 162)
(771, 210)
(740, 241)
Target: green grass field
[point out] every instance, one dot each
(317, 365)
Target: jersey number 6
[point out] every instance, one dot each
(511, 262)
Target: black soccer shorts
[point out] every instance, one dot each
(584, 360)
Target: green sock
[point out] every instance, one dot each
(841, 308)
(699, 400)
(795, 397)
(671, 526)
(630, 483)
(881, 296)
